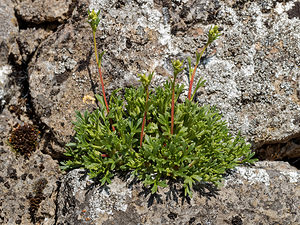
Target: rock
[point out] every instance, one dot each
(265, 194)
(4, 85)
(28, 187)
(38, 11)
(28, 184)
(29, 39)
(8, 30)
(58, 95)
(251, 71)
(277, 151)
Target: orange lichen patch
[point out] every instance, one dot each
(276, 49)
(277, 83)
(14, 21)
(271, 50)
(280, 44)
(151, 34)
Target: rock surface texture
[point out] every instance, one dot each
(265, 194)
(28, 188)
(252, 71)
(8, 29)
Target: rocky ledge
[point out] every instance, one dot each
(267, 193)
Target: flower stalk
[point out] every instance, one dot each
(145, 80)
(93, 20)
(213, 34)
(192, 75)
(178, 67)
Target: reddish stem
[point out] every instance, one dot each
(104, 96)
(194, 72)
(103, 91)
(192, 81)
(101, 79)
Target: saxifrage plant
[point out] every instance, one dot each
(156, 138)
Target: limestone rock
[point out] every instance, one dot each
(265, 194)
(57, 95)
(28, 187)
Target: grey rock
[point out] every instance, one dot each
(265, 194)
(29, 39)
(4, 84)
(39, 11)
(28, 187)
(8, 30)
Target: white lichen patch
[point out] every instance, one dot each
(283, 7)
(77, 184)
(150, 18)
(63, 66)
(107, 200)
(4, 72)
(293, 177)
(97, 4)
(229, 14)
(228, 85)
(250, 175)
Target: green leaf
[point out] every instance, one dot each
(154, 188)
(200, 83)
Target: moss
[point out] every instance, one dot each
(36, 200)
(24, 139)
